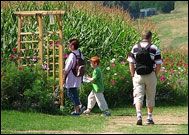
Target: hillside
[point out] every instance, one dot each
(173, 28)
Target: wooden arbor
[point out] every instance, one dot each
(39, 41)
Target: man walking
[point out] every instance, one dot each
(144, 64)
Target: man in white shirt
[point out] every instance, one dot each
(145, 84)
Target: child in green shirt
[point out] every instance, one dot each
(96, 95)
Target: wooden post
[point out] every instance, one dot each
(48, 64)
(54, 73)
(61, 60)
(19, 38)
(40, 46)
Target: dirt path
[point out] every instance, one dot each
(120, 121)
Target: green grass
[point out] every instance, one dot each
(158, 110)
(178, 40)
(173, 28)
(15, 121)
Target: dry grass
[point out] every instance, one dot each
(145, 24)
(173, 28)
(95, 8)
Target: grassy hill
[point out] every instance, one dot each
(173, 28)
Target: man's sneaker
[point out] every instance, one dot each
(139, 121)
(75, 113)
(149, 121)
(82, 109)
(106, 113)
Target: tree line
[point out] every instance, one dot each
(133, 7)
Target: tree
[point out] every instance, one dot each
(167, 6)
(134, 6)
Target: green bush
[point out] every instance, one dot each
(14, 81)
(26, 88)
(118, 82)
(172, 85)
(40, 96)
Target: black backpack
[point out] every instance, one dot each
(79, 68)
(144, 63)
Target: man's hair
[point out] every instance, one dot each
(74, 42)
(146, 34)
(95, 59)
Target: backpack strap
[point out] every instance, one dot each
(80, 57)
(75, 56)
(147, 47)
(79, 53)
(139, 46)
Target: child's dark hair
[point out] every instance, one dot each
(74, 42)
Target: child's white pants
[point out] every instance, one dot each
(99, 98)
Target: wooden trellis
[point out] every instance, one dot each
(39, 42)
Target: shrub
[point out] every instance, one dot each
(26, 88)
(40, 96)
(172, 85)
(14, 81)
(118, 82)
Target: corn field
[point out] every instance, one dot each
(107, 32)
(101, 31)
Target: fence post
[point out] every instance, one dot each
(40, 23)
(19, 38)
(61, 61)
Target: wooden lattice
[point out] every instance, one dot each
(39, 43)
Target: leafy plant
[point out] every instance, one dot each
(26, 88)
(106, 32)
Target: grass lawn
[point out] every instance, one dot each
(18, 121)
(173, 28)
(123, 120)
